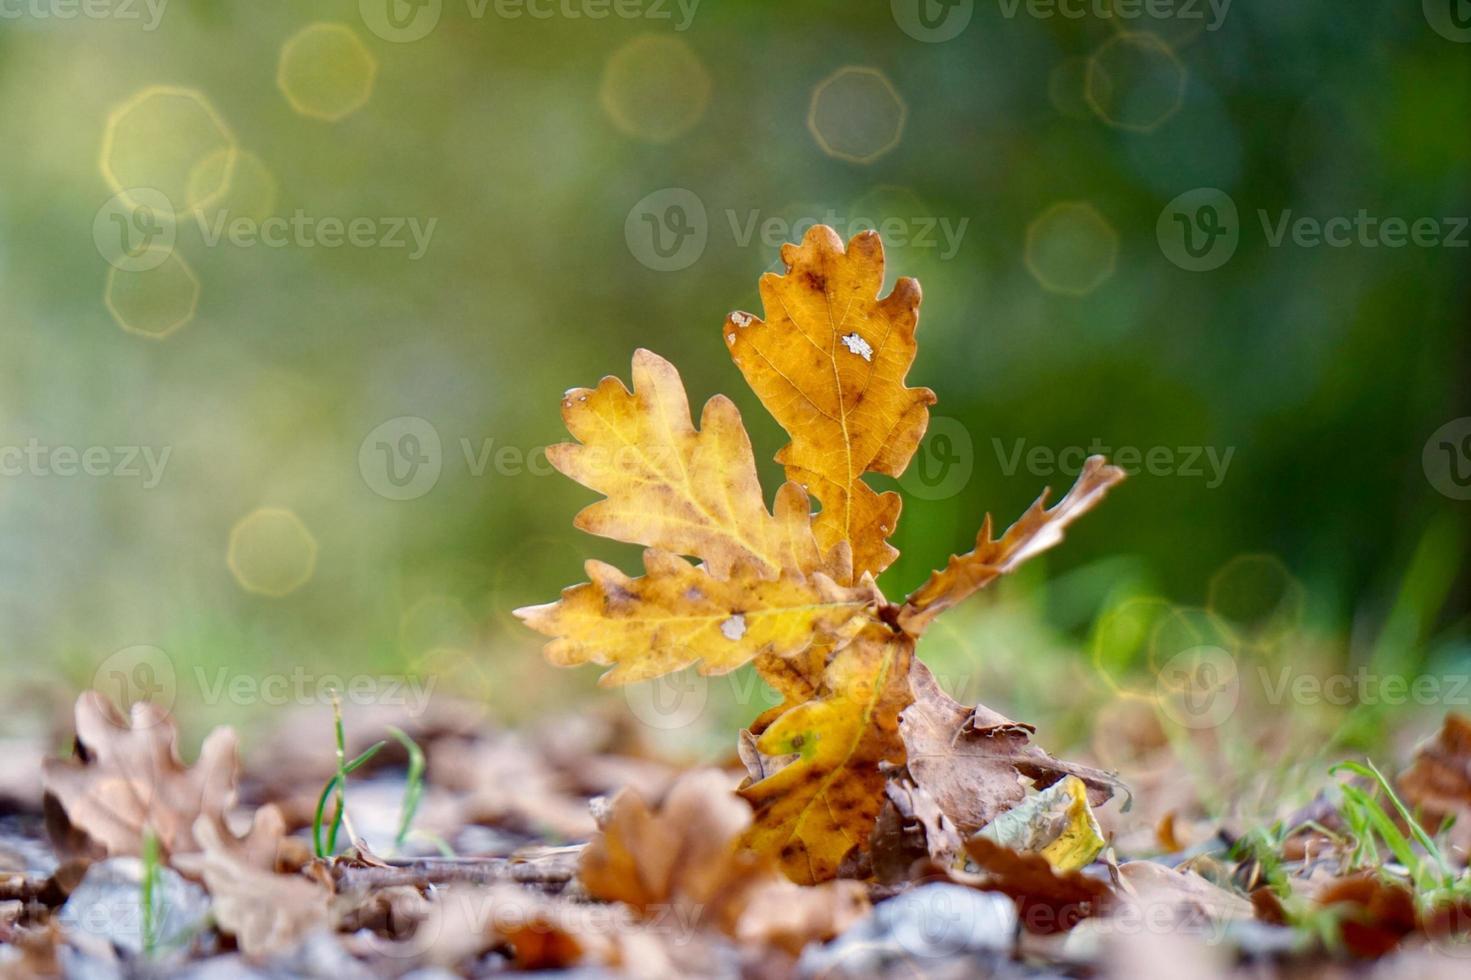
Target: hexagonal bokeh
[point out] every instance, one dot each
(326, 71)
(436, 624)
(856, 114)
(156, 301)
(271, 552)
(155, 139)
(1258, 596)
(1065, 85)
(1135, 82)
(251, 193)
(1071, 248)
(655, 88)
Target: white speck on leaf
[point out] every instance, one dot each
(740, 319)
(858, 346)
(734, 628)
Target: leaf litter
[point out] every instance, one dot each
(869, 825)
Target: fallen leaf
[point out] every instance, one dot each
(265, 912)
(128, 779)
(1438, 782)
(687, 859)
(1046, 901)
(1056, 823)
(829, 362)
(816, 784)
(1039, 529)
(971, 760)
(910, 830)
(1375, 915)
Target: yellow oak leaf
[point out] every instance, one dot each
(671, 487)
(677, 614)
(828, 362)
(815, 779)
(1034, 532)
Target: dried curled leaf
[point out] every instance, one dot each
(1034, 532)
(677, 614)
(829, 362)
(815, 777)
(670, 487)
(686, 857)
(265, 912)
(129, 778)
(971, 760)
(1056, 823)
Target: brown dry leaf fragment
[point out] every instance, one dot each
(1179, 899)
(129, 777)
(829, 362)
(1375, 914)
(541, 933)
(687, 859)
(911, 830)
(1046, 902)
(1039, 529)
(265, 912)
(819, 786)
(970, 759)
(670, 487)
(1438, 782)
(678, 614)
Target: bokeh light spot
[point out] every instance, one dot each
(856, 114)
(435, 626)
(1120, 641)
(1071, 248)
(154, 139)
(1065, 84)
(655, 88)
(1135, 82)
(155, 301)
(251, 193)
(326, 72)
(1258, 596)
(271, 552)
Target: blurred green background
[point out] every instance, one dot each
(542, 155)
